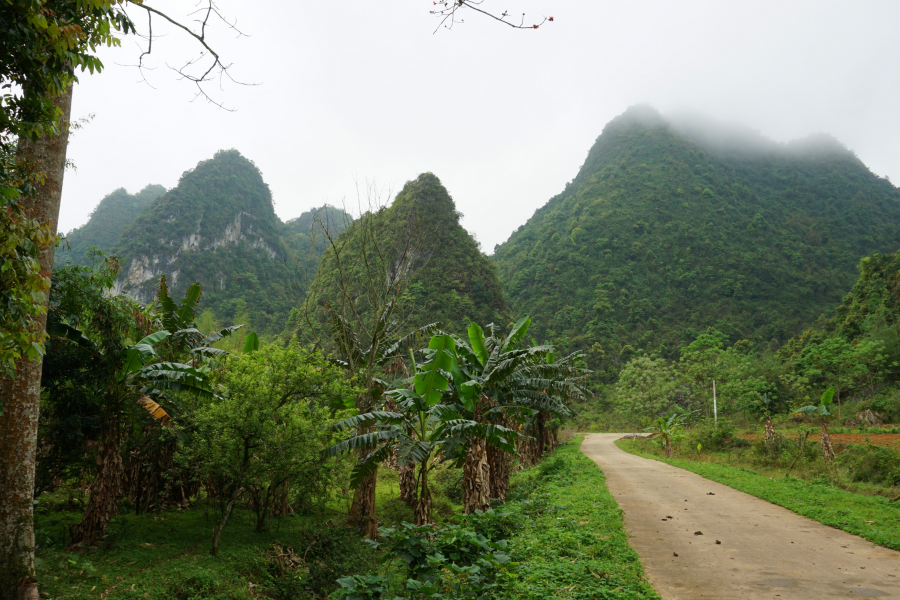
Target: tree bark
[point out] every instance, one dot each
(408, 485)
(21, 396)
(827, 448)
(476, 478)
(423, 503)
(217, 531)
(500, 463)
(105, 491)
(362, 511)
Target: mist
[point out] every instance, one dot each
(343, 98)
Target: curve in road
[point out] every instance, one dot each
(699, 539)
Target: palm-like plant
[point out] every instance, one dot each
(821, 411)
(134, 374)
(422, 431)
(496, 378)
(666, 430)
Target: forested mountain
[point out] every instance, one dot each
(217, 227)
(453, 281)
(671, 228)
(106, 224)
(304, 236)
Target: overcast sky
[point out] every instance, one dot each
(360, 91)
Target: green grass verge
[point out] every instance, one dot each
(872, 517)
(575, 546)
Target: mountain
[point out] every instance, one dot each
(304, 235)
(453, 281)
(216, 227)
(115, 212)
(675, 225)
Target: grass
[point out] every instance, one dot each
(574, 546)
(568, 542)
(873, 517)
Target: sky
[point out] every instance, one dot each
(352, 95)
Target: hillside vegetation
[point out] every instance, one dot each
(217, 227)
(668, 230)
(106, 224)
(453, 282)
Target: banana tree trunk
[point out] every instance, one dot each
(21, 395)
(827, 448)
(529, 450)
(423, 504)
(770, 430)
(362, 511)
(500, 463)
(104, 493)
(476, 478)
(408, 486)
(548, 436)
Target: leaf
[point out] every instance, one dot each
(476, 339)
(156, 411)
(189, 304)
(517, 333)
(218, 335)
(251, 343)
(72, 334)
(827, 396)
(154, 338)
(430, 381)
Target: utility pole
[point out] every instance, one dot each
(715, 408)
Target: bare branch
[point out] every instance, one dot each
(451, 8)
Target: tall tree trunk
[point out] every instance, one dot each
(217, 531)
(548, 435)
(476, 478)
(770, 430)
(827, 448)
(423, 504)
(21, 395)
(500, 463)
(408, 485)
(105, 491)
(362, 511)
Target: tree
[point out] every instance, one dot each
(43, 42)
(645, 387)
(495, 379)
(264, 436)
(834, 360)
(821, 411)
(424, 431)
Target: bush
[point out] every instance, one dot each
(871, 464)
(448, 482)
(781, 448)
(712, 437)
(886, 405)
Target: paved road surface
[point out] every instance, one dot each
(766, 551)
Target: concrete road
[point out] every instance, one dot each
(749, 548)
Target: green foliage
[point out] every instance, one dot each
(23, 287)
(218, 228)
(266, 432)
(711, 436)
(645, 387)
(569, 533)
(105, 225)
(453, 282)
(872, 464)
(664, 233)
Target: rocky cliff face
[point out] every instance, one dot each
(218, 228)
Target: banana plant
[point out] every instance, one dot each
(821, 410)
(136, 373)
(185, 339)
(666, 430)
(421, 429)
(498, 378)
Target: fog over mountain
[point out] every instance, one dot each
(505, 116)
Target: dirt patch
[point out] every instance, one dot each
(877, 439)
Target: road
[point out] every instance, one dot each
(701, 539)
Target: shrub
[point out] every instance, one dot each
(448, 482)
(872, 464)
(712, 437)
